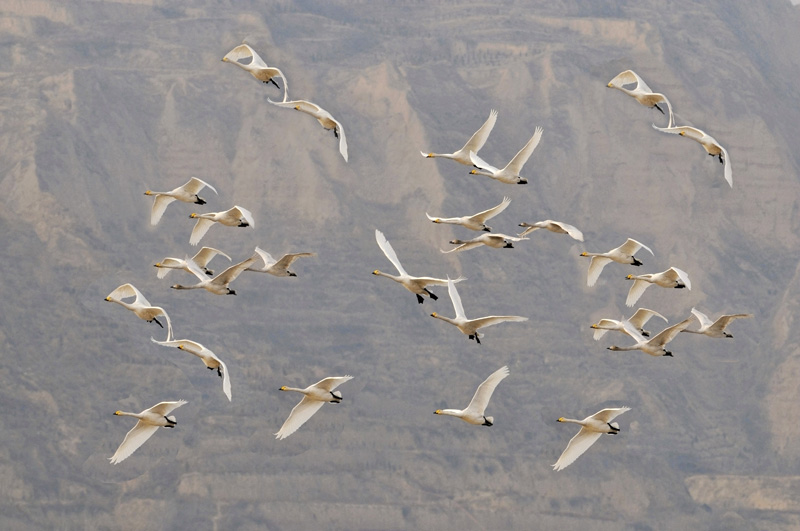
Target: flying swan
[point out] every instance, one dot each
(325, 119)
(553, 226)
(140, 306)
(201, 260)
(209, 359)
(637, 320)
(468, 155)
(622, 254)
(474, 412)
(256, 66)
(315, 395)
(715, 328)
(217, 285)
(671, 278)
(712, 147)
(592, 428)
(511, 173)
(186, 193)
(496, 240)
(641, 92)
(149, 421)
(233, 217)
(655, 346)
(476, 221)
(278, 268)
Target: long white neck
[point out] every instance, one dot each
(126, 414)
(446, 319)
(180, 286)
(573, 421)
(482, 172)
(614, 347)
(452, 412)
(387, 275)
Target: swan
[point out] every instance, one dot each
(715, 328)
(712, 147)
(233, 217)
(140, 306)
(470, 327)
(209, 359)
(474, 412)
(149, 421)
(509, 174)
(496, 240)
(553, 226)
(201, 259)
(638, 320)
(655, 346)
(592, 428)
(325, 119)
(468, 155)
(416, 285)
(641, 92)
(219, 284)
(186, 193)
(476, 221)
(314, 396)
(622, 254)
(671, 278)
(279, 268)
(256, 66)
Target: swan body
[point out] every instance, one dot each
(624, 254)
(671, 278)
(496, 240)
(278, 268)
(470, 327)
(641, 92)
(708, 142)
(468, 155)
(217, 285)
(476, 221)
(592, 428)
(186, 193)
(140, 306)
(715, 328)
(511, 173)
(553, 226)
(233, 217)
(655, 346)
(474, 412)
(325, 119)
(637, 320)
(314, 396)
(247, 59)
(211, 361)
(201, 260)
(149, 421)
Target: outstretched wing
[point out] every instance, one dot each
(476, 142)
(595, 268)
(484, 392)
(702, 318)
(631, 247)
(519, 160)
(609, 414)
(387, 249)
(332, 382)
(303, 411)
(581, 442)
(455, 298)
(668, 334)
(241, 53)
(160, 204)
(642, 315)
(199, 230)
(195, 185)
(680, 274)
(136, 437)
(204, 256)
(230, 274)
(482, 217)
(636, 291)
(483, 322)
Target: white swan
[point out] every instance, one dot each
(715, 328)
(474, 412)
(186, 193)
(475, 221)
(233, 217)
(209, 359)
(278, 268)
(655, 346)
(470, 327)
(592, 428)
(416, 285)
(712, 147)
(511, 173)
(641, 92)
(638, 320)
(671, 278)
(314, 396)
(149, 421)
(325, 119)
(201, 259)
(140, 306)
(496, 240)
(624, 254)
(217, 285)
(246, 58)
(469, 152)
(553, 226)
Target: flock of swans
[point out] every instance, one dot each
(314, 396)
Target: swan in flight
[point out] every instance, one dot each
(468, 155)
(655, 346)
(715, 328)
(314, 396)
(476, 221)
(553, 226)
(624, 254)
(511, 173)
(641, 92)
(592, 428)
(217, 285)
(712, 147)
(496, 240)
(149, 421)
(246, 58)
(470, 327)
(671, 278)
(279, 268)
(474, 412)
(416, 285)
(140, 306)
(186, 193)
(638, 320)
(201, 259)
(209, 359)
(325, 119)
(233, 217)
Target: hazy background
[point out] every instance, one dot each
(104, 100)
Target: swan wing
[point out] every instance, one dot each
(702, 318)
(243, 213)
(631, 247)
(482, 217)
(266, 257)
(463, 247)
(595, 268)
(165, 408)
(303, 411)
(168, 264)
(727, 164)
(136, 437)
(483, 322)
(199, 230)
(642, 315)
(609, 414)
(626, 78)
(387, 249)
(129, 290)
(581, 442)
(226, 378)
(724, 320)
(519, 160)
(288, 259)
(244, 51)
(636, 291)
(195, 185)
(483, 394)
(428, 281)
(482, 164)
(455, 298)
(332, 382)
(204, 256)
(679, 274)
(160, 204)
(342, 139)
(668, 334)
(476, 142)
(572, 231)
(230, 274)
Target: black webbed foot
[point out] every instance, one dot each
(158, 322)
(635, 262)
(199, 201)
(419, 298)
(433, 296)
(274, 83)
(659, 108)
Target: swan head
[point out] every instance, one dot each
(560, 419)
(434, 314)
(593, 326)
(473, 172)
(297, 107)
(376, 272)
(682, 133)
(437, 220)
(437, 412)
(456, 242)
(610, 85)
(157, 264)
(148, 192)
(118, 412)
(193, 215)
(283, 388)
(613, 347)
(584, 253)
(629, 277)
(224, 59)
(429, 156)
(108, 299)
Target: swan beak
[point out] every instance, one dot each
(629, 277)
(593, 326)
(118, 412)
(583, 254)
(181, 347)
(108, 299)
(375, 272)
(224, 59)
(430, 155)
(472, 172)
(192, 215)
(148, 193)
(682, 133)
(610, 85)
(437, 412)
(157, 264)
(283, 388)
(297, 107)
(560, 419)
(437, 220)
(433, 314)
